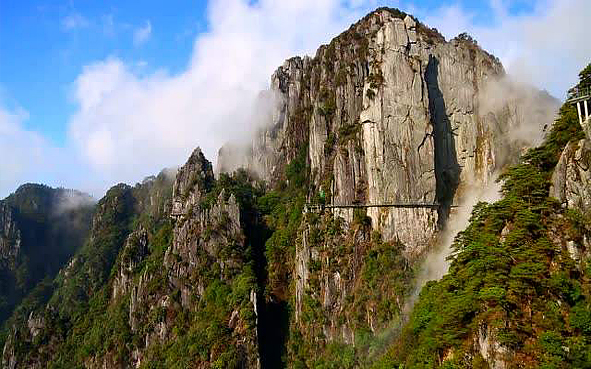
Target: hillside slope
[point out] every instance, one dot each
(234, 271)
(387, 112)
(518, 292)
(40, 229)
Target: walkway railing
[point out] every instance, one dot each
(404, 205)
(578, 95)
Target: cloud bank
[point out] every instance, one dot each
(546, 47)
(130, 124)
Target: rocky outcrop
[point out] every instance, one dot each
(489, 348)
(9, 358)
(388, 112)
(36, 324)
(571, 180)
(192, 180)
(157, 251)
(134, 251)
(207, 239)
(587, 128)
(571, 185)
(10, 237)
(203, 225)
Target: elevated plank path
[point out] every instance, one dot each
(404, 205)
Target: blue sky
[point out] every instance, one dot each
(45, 44)
(120, 89)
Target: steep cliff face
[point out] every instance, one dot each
(192, 290)
(209, 248)
(10, 237)
(571, 179)
(190, 270)
(571, 186)
(389, 112)
(517, 293)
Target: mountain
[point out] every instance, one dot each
(392, 93)
(40, 229)
(517, 291)
(305, 248)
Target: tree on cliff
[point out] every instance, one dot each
(585, 77)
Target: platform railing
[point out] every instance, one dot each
(403, 205)
(578, 94)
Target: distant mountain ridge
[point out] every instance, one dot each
(192, 269)
(40, 229)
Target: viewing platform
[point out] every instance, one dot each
(580, 97)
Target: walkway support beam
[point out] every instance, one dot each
(403, 205)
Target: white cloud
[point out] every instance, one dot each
(547, 47)
(142, 34)
(74, 21)
(132, 124)
(29, 157)
(24, 152)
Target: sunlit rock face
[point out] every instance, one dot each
(388, 112)
(10, 238)
(571, 180)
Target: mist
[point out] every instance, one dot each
(236, 151)
(131, 119)
(435, 265)
(70, 200)
(130, 123)
(545, 47)
(531, 113)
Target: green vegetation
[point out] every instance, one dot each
(88, 321)
(348, 132)
(181, 291)
(93, 263)
(327, 102)
(52, 224)
(510, 276)
(341, 77)
(465, 37)
(585, 77)
(378, 279)
(282, 211)
(376, 80)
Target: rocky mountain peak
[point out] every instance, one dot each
(387, 111)
(192, 180)
(390, 125)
